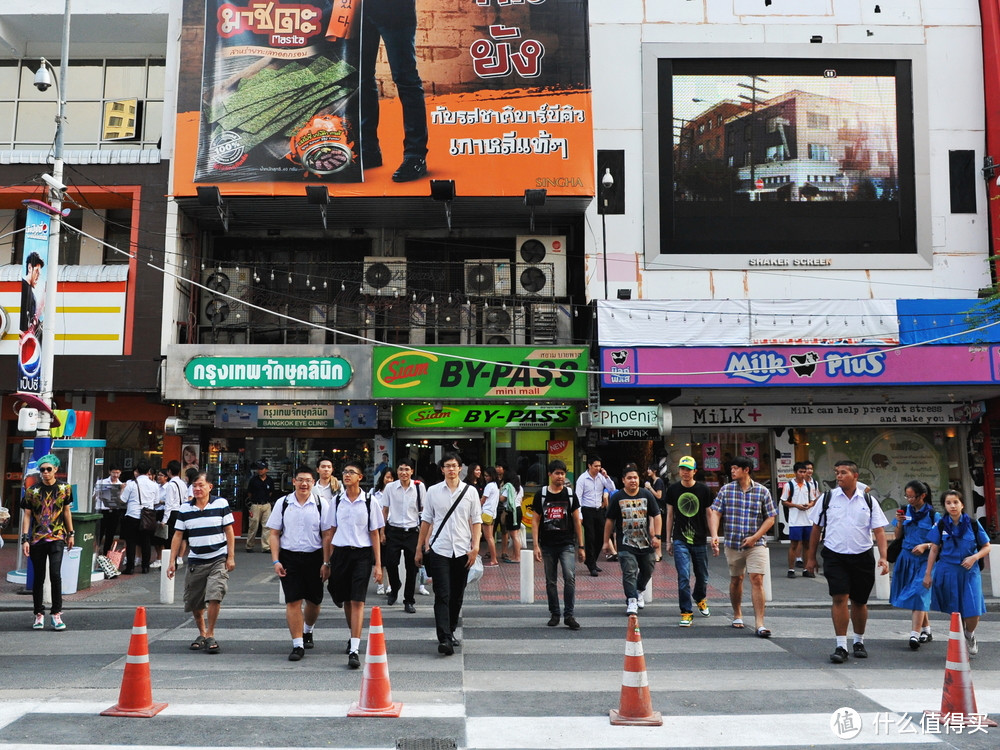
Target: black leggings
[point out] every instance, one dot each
(40, 554)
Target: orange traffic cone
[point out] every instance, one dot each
(376, 692)
(958, 700)
(635, 709)
(136, 696)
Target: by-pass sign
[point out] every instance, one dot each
(497, 372)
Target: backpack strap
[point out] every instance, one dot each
(368, 506)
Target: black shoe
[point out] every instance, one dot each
(370, 161)
(409, 609)
(839, 656)
(307, 640)
(411, 169)
(799, 564)
(392, 597)
(599, 569)
(791, 574)
(145, 570)
(353, 660)
(297, 653)
(808, 574)
(128, 571)
(914, 642)
(348, 649)
(454, 641)
(249, 549)
(594, 572)
(446, 648)
(553, 621)
(859, 651)
(571, 623)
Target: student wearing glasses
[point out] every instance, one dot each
(47, 530)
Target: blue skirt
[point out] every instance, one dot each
(907, 590)
(955, 589)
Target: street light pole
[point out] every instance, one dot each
(55, 225)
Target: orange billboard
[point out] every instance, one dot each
(375, 97)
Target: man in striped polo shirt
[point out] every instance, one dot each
(206, 523)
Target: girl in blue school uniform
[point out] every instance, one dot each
(958, 543)
(915, 522)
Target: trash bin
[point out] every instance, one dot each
(85, 539)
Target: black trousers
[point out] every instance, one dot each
(110, 520)
(450, 576)
(401, 541)
(51, 554)
(593, 534)
(133, 534)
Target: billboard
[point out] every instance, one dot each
(493, 94)
(30, 377)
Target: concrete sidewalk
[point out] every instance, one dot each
(253, 583)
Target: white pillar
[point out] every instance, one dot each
(994, 563)
(527, 570)
(166, 584)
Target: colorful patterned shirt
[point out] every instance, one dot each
(47, 504)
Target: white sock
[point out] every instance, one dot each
(925, 629)
(970, 634)
(355, 644)
(798, 559)
(306, 628)
(914, 634)
(842, 642)
(859, 638)
(296, 643)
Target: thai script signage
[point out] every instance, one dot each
(296, 416)
(268, 372)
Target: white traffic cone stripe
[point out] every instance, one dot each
(138, 630)
(635, 679)
(375, 629)
(137, 659)
(376, 659)
(633, 648)
(957, 666)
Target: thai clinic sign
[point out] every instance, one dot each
(296, 416)
(274, 94)
(801, 366)
(491, 373)
(483, 417)
(30, 377)
(268, 372)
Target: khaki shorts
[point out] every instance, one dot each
(205, 582)
(753, 560)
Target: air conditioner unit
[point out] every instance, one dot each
(383, 277)
(541, 266)
(550, 324)
(502, 326)
(228, 310)
(487, 278)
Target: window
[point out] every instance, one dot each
(819, 152)
(817, 121)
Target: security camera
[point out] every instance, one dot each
(43, 79)
(52, 182)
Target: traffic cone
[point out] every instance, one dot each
(635, 708)
(136, 696)
(958, 700)
(376, 693)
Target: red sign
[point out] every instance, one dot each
(759, 184)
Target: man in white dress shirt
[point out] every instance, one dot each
(592, 489)
(300, 528)
(402, 502)
(450, 526)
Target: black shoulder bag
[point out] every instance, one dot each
(447, 515)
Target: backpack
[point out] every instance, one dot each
(826, 504)
(791, 487)
(368, 505)
(940, 528)
(563, 523)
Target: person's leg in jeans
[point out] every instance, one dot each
(567, 558)
(682, 561)
(437, 568)
(39, 555)
(630, 572)
(699, 555)
(645, 561)
(55, 555)
(401, 52)
(459, 578)
(550, 558)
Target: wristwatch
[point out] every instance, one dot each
(581, 547)
(328, 564)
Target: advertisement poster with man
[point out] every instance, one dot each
(375, 97)
(36, 249)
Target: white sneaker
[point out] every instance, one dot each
(972, 643)
(179, 563)
(155, 564)
(380, 589)
(641, 601)
(423, 591)
(633, 607)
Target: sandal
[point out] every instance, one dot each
(611, 558)
(763, 632)
(211, 645)
(737, 623)
(492, 564)
(198, 643)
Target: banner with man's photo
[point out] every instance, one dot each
(374, 97)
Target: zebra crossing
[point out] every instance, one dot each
(514, 683)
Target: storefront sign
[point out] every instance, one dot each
(807, 366)
(804, 415)
(287, 416)
(629, 433)
(268, 372)
(482, 417)
(607, 416)
(500, 373)
(271, 96)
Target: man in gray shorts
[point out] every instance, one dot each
(206, 523)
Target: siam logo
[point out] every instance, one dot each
(404, 369)
(430, 416)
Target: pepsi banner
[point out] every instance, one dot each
(33, 279)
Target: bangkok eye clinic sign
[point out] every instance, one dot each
(268, 372)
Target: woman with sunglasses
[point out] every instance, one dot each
(47, 530)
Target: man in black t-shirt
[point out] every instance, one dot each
(686, 530)
(558, 529)
(634, 516)
(260, 497)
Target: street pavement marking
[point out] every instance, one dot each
(775, 730)
(918, 700)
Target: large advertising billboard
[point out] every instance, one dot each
(30, 377)
(375, 97)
